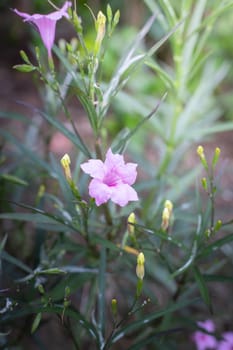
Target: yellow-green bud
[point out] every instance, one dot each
(100, 28)
(165, 219)
(200, 152)
(131, 223)
(216, 156)
(65, 162)
(41, 191)
(140, 269)
(218, 225)
(114, 307)
(204, 183)
(41, 288)
(168, 204)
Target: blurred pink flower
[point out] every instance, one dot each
(112, 179)
(203, 340)
(46, 24)
(227, 343)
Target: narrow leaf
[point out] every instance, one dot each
(143, 322)
(36, 322)
(74, 138)
(202, 287)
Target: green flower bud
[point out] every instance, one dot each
(216, 156)
(140, 269)
(114, 307)
(204, 183)
(100, 28)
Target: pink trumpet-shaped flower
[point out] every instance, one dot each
(203, 340)
(227, 342)
(46, 24)
(112, 179)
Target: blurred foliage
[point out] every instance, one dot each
(154, 92)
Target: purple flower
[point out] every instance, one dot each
(227, 342)
(46, 24)
(111, 179)
(203, 340)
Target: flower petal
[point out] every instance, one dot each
(99, 191)
(122, 194)
(128, 173)
(94, 167)
(46, 29)
(46, 24)
(22, 14)
(60, 13)
(113, 160)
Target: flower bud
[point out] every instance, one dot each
(204, 183)
(200, 152)
(65, 162)
(131, 223)
(140, 269)
(167, 214)
(168, 204)
(114, 307)
(165, 219)
(100, 28)
(216, 156)
(218, 225)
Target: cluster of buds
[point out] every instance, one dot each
(166, 215)
(201, 154)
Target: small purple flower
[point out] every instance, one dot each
(227, 342)
(203, 340)
(46, 24)
(112, 179)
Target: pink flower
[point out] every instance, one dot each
(203, 340)
(227, 342)
(111, 179)
(46, 24)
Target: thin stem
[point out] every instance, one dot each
(212, 200)
(120, 323)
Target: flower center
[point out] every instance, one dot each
(111, 178)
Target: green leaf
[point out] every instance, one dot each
(193, 252)
(25, 57)
(76, 78)
(16, 262)
(26, 153)
(29, 309)
(218, 278)
(25, 68)
(74, 138)
(14, 179)
(36, 322)
(215, 246)
(122, 143)
(12, 115)
(88, 106)
(145, 321)
(202, 287)
(152, 338)
(52, 271)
